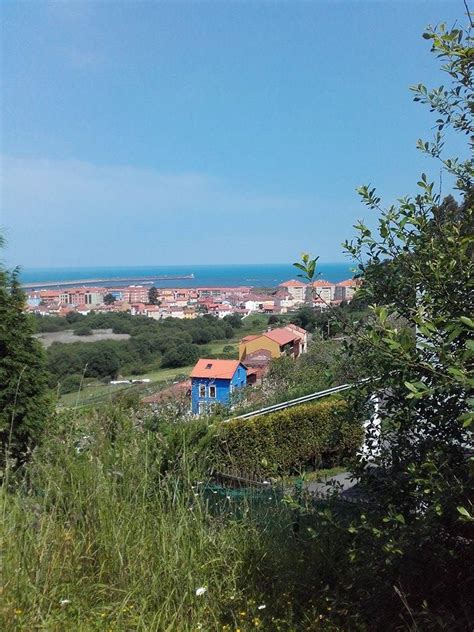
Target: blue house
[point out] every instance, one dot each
(215, 381)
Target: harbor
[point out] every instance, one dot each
(107, 282)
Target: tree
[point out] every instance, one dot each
(182, 355)
(305, 317)
(25, 403)
(417, 271)
(234, 320)
(153, 296)
(109, 299)
(83, 330)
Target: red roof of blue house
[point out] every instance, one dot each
(223, 369)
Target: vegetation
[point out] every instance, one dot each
(309, 436)
(24, 400)
(83, 330)
(153, 295)
(331, 322)
(418, 348)
(170, 343)
(118, 538)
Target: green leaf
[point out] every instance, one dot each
(464, 512)
(467, 321)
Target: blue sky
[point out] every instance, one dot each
(206, 132)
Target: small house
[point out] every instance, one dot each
(215, 382)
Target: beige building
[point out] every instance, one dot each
(323, 290)
(296, 289)
(345, 290)
(280, 341)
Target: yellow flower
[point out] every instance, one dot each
(242, 614)
(18, 611)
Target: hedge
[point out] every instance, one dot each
(319, 434)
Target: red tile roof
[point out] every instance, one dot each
(249, 338)
(349, 283)
(281, 336)
(223, 369)
(296, 328)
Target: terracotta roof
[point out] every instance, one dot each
(224, 369)
(348, 283)
(292, 283)
(249, 338)
(281, 336)
(296, 328)
(322, 283)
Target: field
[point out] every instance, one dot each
(67, 336)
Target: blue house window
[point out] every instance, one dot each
(212, 391)
(202, 390)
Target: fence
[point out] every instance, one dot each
(295, 402)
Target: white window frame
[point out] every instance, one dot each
(213, 389)
(202, 388)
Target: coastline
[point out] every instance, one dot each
(252, 275)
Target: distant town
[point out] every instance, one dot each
(188, 303)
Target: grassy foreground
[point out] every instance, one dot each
(104, 530)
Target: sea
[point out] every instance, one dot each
(255, 275)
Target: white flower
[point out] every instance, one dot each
(64, 602)
(262, 607)
(200, 591)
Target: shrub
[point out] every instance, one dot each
(70, 383)
(83, 330)
(182, 355)
(319, 434)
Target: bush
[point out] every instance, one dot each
(84, 330)
(318, 434)
(70, 383)
(182, 355)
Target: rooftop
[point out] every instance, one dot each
(223, 369)
(292, 283)
(281, 336)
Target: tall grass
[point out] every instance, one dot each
(103, 530)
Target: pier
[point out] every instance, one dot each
(40, 285)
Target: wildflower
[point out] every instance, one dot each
(64, 602)
(262, 607)
(200, 591)
(18, 611)
(242, 614)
